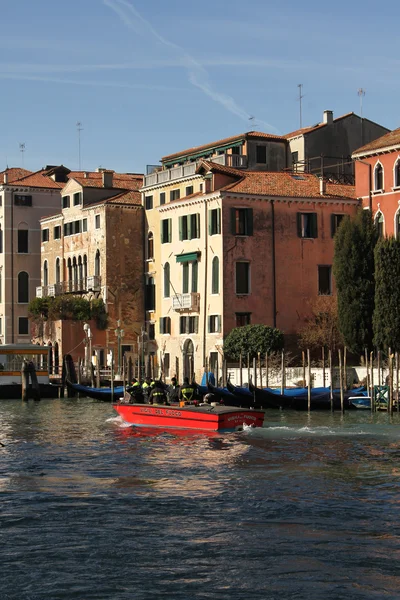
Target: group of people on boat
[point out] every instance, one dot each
(157, 392)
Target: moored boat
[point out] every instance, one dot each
(207, 417)
(103, 394)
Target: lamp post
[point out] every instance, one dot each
(120, 334)
(88, 349)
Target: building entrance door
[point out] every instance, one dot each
(188, 359)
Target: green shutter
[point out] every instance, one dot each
(161, 325)
(169, 230)
(315, 225)
(219, 328)
(209, 324)
(180, 228)
(249, 223)
(198, 225)
(196, 324)
(195, 268)
(185, 278)
(210, 222)
(218, 220)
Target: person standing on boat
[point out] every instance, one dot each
(135, 391)
(158, 394)
(173, 391)
(147, 386)
(187, 392)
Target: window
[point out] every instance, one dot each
(23, 326)
(189, 227)
(213, 362)
(166, 231)
(67, 229)
(1, 200)
(148, 202)
(76, 226)
(77, 198)
(335, 222)
(174, 195)
(23, 287)
(243, 278)
(45, 274)
(295, 158)
(378, 177)
(307, 225)
(57, 232)
(84, 224)
(243, 319)
(97, 221)
(261, 155)
(195, 272)
(97, 264)
(45, 235)
(22, 200)
(188, 325)
(22, 241)
(189, 190)
(150, 246)
(165, 325)
(396, 174)
(201, 187)
(324, 280)
(150, 295)
(58, 271)
(214, 221)
(162, 198)
(166, 364)
(167, 285)
(214, 324)
(380, 224)
(185, 278)
(242, 221)
(215, 276)
(152, 331)
(236, 150)
(66, 201)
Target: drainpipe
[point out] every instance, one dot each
(12, 270)
(273, 263)
(205, 282)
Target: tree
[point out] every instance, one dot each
(68, 307)
(386, 320)
(353, 268)
(252, 339)
(322, 327)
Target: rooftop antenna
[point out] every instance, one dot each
(79, 128)
(22, 150)
(251, 119)
(301, 96)
(361, 94)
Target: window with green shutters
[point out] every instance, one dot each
(307, 226)
(214, 221)
(188, 325)
(167, 285)
(189, 227)
(195, 270)
(242, 221)
(165, 325)
(166, 231)
(215, 276)
(214, 323)
(185, 278)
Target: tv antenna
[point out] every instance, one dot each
(361, 94)
(252, 121)
(79, 128)
(301, 96)
(22, 150)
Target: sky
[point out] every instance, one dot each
(147, 78)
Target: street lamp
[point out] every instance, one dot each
(88, 349)
(120, 334)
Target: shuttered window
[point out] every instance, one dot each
(242, 221)
(214, 221)
(307, 226)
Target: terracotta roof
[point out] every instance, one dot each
(38, 180)
(131, 197)
(305, 130)
(288, 185)
(234, 138)
(13, 174)
(209, 165)
(385, 141)
(122, 181)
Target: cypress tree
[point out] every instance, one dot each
(386, 320)
(353, 268)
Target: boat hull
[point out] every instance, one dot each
(102, 394)
(207, 418)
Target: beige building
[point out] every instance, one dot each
(94, 248)
(25, 198)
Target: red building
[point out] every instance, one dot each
(377, 171)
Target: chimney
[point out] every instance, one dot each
(5, 179)
(86, 175)
(322, 186)
(328, 117)
(107, 178)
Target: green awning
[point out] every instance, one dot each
(188, 257)
(200, 154)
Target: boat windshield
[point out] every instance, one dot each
(13, 362)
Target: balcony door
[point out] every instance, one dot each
(188, 359)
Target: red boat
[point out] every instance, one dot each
(206, 417)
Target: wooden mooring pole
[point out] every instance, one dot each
(345, 368)
(397, 381)
(390, 403)
(372, 394)
(323, 366)
(303, 356)
(266, 370)
(331, 378)
(259, 369)
(341, 382)
(282, 372)
(241, 370)
(309, 382)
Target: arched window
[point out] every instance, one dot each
(23, 287)
(378, 177)
(45, 274)
(150, 246)
(380, 223)
(58, 271)
(167, 285)
(97, 264)
(215, 276)
(80, 269)
(74, 270)
(85, 267)
(396, 173)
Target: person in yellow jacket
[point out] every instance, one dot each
(187, 394)
(158, 394)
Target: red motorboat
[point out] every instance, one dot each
(207, 417)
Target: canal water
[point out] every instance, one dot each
(306, 508)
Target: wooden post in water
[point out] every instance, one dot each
(303, 356)
(241, 370)
(130, 369)
(255, 372)
(367, 377)
(282, 372)
(331, 378)
(112, 377)
(206, 371)
(266, 370)
(248, 369)
(309, 381)
(323, 366)
(79, 370)
(372, 394)
(379, 368)
(259, 368)
(390, 403)
(345, 369)
(216, 374)
(397, 381)
(341, 382)
(224, 372)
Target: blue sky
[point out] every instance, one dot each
(147, 78)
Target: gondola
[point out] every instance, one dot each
(103, 394)
(250, 395)
(318, 401)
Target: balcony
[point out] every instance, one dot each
(186, 302)
(49, 290)
(238, 161)
(80, 286)
(93, 283)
